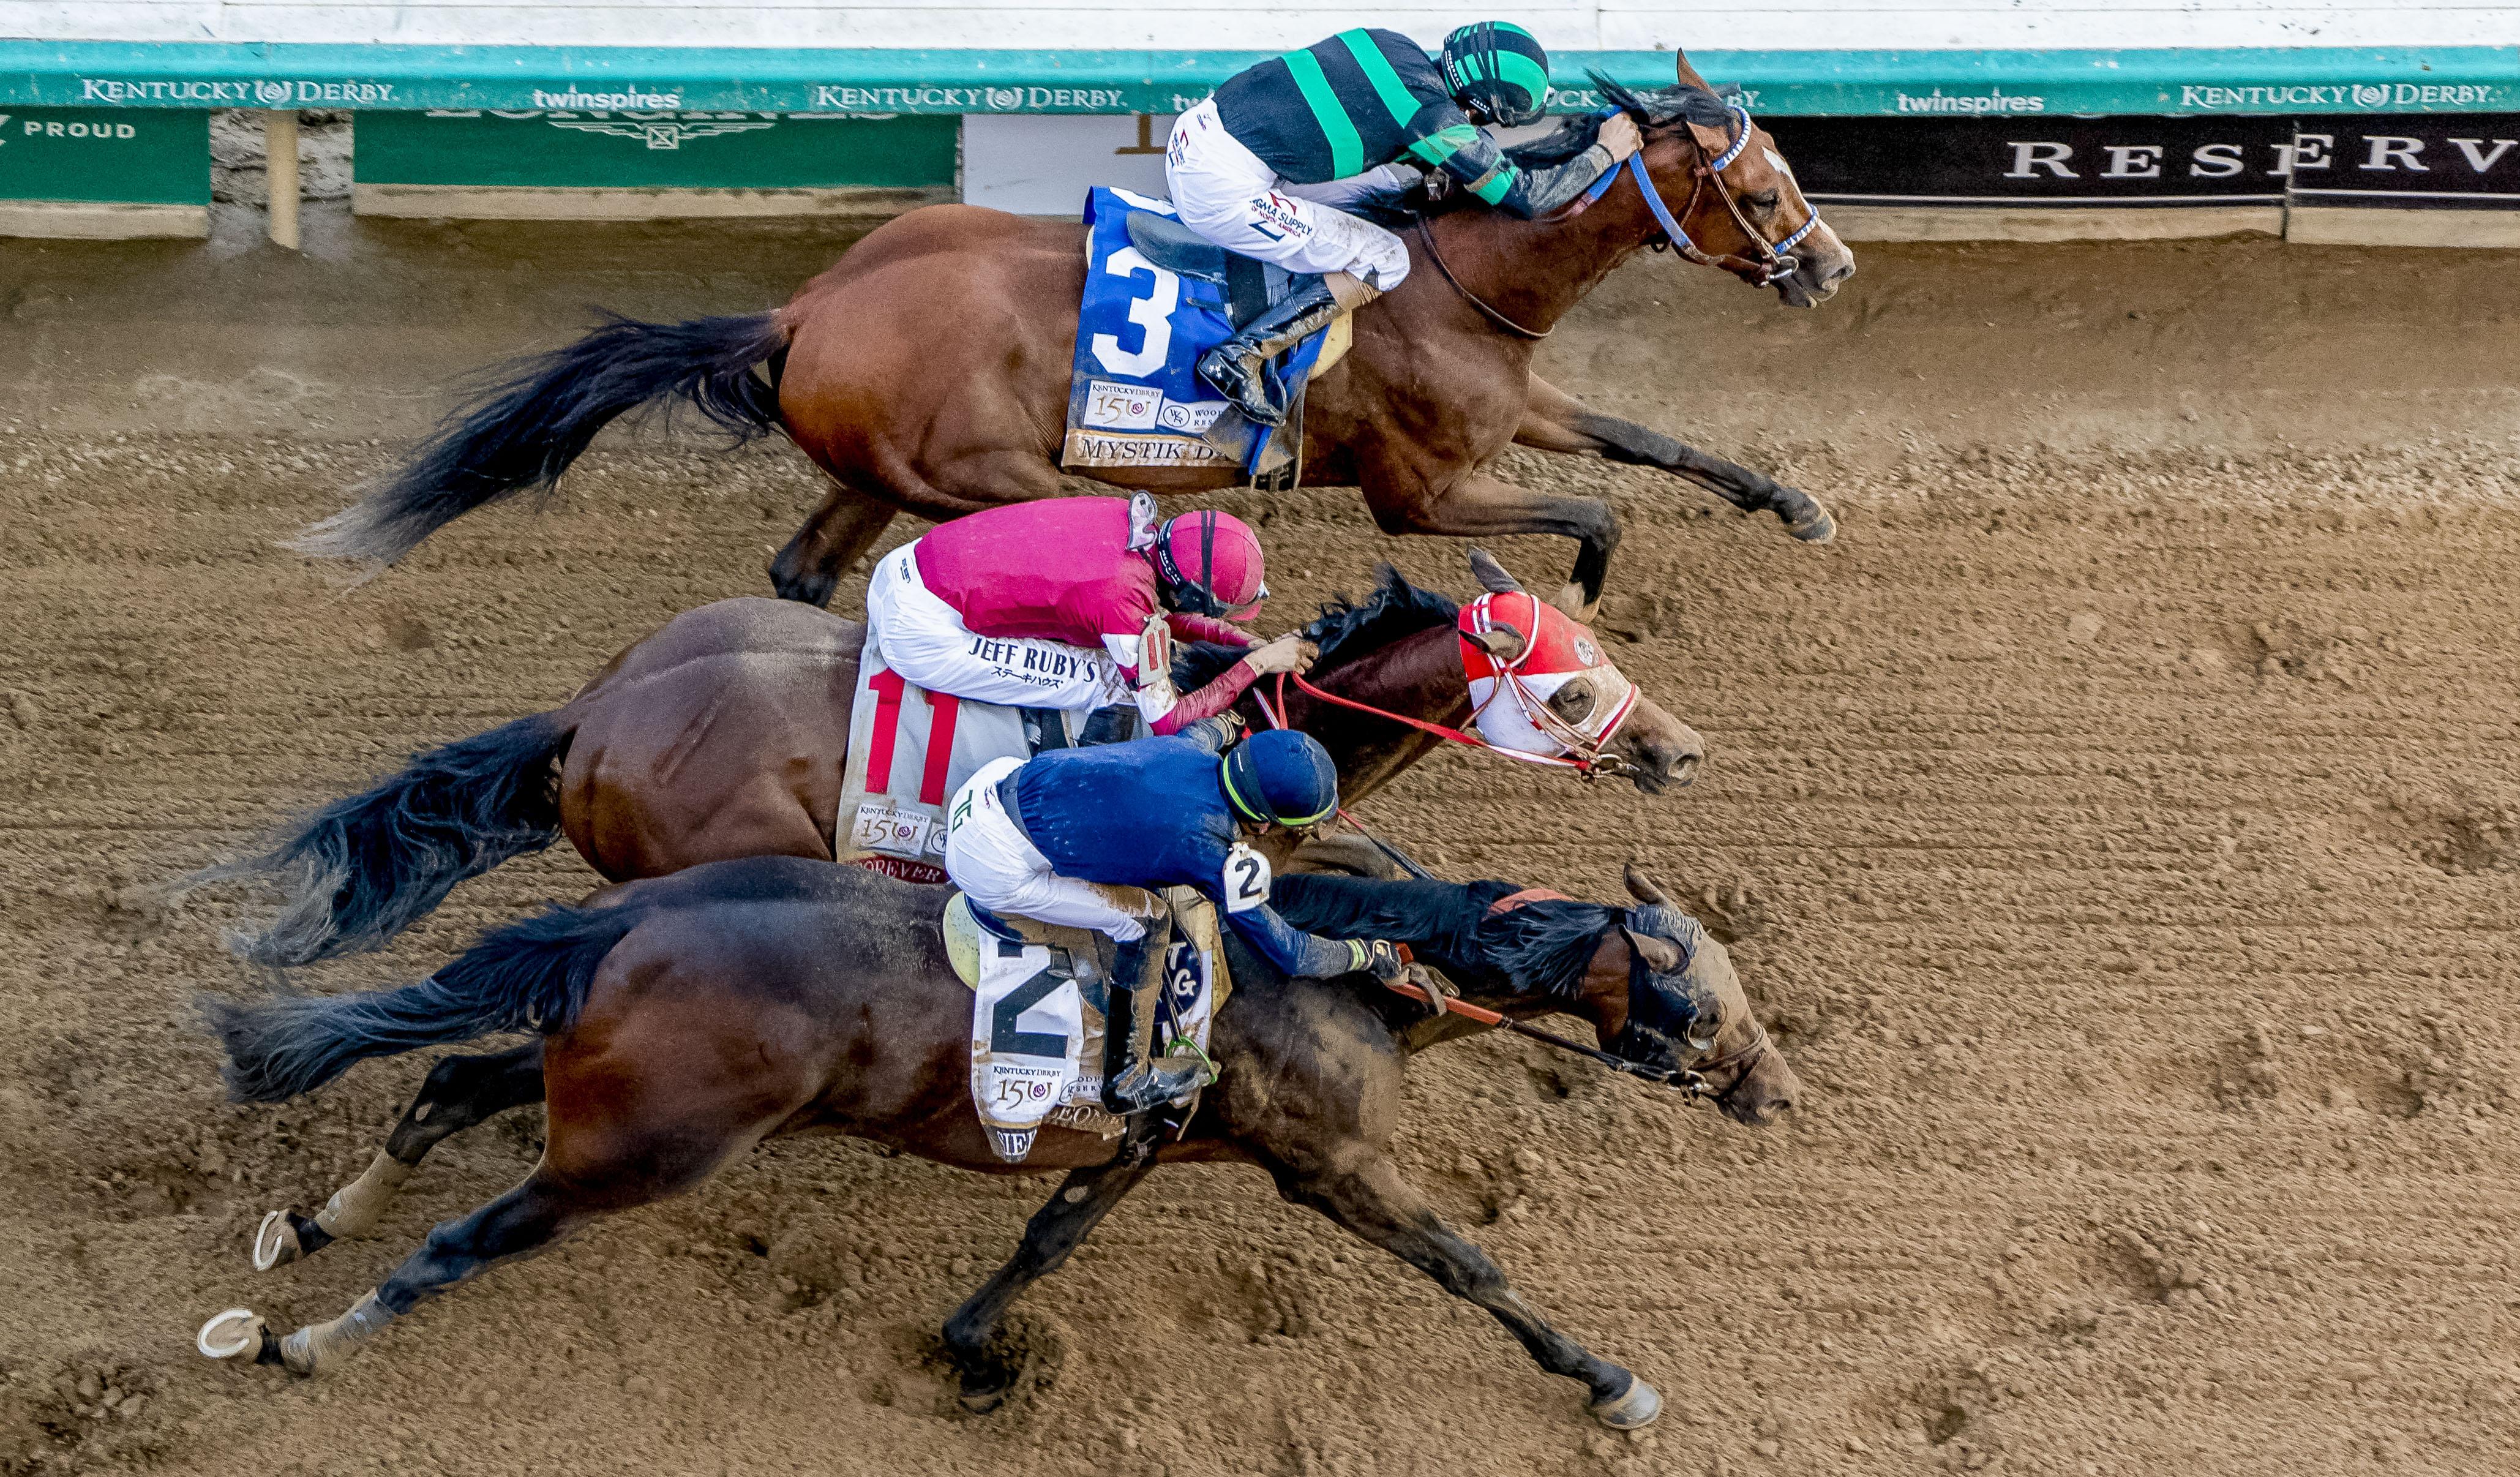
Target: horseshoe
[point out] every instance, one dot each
(239, 1330)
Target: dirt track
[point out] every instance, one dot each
(2121, 834)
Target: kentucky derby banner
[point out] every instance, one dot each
(2241, 80)
(621, 161)
(104, 172)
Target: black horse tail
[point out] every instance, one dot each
(525, 976)
(368, 866)
(535, 416)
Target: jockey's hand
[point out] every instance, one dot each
(1382, 959)
(1619, 135)
(1290, 652)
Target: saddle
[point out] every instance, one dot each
(1157, 296)
(1039, 995)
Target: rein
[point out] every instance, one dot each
(1767, 270)
(1428, 236)
(1685, 1080)
(1710, 172)
(1598, 765)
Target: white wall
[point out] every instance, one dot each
(1225, 24)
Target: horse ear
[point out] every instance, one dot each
(1644, 888)
(1661, 955)
(1689, 74)
(1501, 642)
(1491, 575)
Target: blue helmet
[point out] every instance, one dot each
(1281, 778)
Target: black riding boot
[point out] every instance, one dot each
(1236, 365)
(1132, 1082)
(1109, 725)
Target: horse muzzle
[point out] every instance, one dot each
(1659, 761)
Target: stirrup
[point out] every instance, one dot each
(1153, 1084)
(1241, 376)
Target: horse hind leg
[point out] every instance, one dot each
(459, 1093)
(1055, 1231)
(1374, 1201)
(524, 1220)
(845, 526)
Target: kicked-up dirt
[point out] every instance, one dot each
(2117, 824)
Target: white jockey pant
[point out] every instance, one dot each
(925, 640)
(1225, 193)
(997, 868)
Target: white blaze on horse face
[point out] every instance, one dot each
(1776, 161)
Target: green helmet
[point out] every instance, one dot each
(1496, 68)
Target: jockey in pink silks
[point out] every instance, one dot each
(1073, 603)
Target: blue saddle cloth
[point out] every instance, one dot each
(1136, 398)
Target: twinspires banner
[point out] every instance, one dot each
(622, 161)
(104, 172)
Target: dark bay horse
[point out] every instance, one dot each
(724, 733)
(927, 370)
(687, 1019)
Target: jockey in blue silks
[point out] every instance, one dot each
(1084, 837)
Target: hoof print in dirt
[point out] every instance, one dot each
(84, 1413)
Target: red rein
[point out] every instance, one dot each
(1453, 734)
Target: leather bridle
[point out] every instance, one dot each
(1771, 264)
(1765, 270)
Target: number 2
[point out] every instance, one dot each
(1246, 880)
(1153, 313)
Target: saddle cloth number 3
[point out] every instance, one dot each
(1152, 312)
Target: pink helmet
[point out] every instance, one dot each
(1211, 562)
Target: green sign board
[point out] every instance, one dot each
(1957, 82)
(115, 155)
(655, 149)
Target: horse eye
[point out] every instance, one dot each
(1573, 701)
(1767, 199)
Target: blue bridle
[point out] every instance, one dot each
(1758, 273)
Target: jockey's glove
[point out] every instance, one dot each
(1381, 958)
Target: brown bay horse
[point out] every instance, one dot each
(928, 371)
(724, 733)
(686, 1019)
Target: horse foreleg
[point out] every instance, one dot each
(846, 525)
(1555, 420)
(1479, 506)
(1374, 1201)
(459, 1093)
(1053, 1231)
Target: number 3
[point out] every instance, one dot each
(1153, 313)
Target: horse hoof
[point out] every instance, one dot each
(1814, 524)
(1633, 1410)
(275, 1242)
(234, 1332)
(984, 1402)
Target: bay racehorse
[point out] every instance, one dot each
(685, 1019)
(927, 370)
(723, 734)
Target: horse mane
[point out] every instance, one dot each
(1651, 107)
(1344, 629)
(1541, 947)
